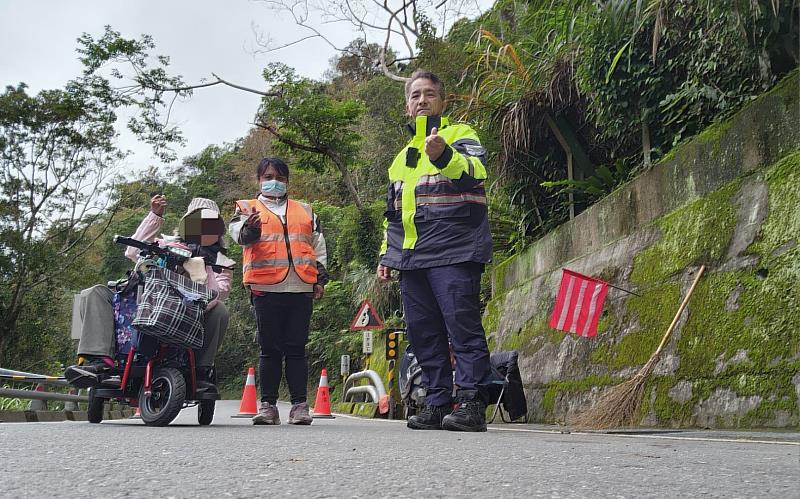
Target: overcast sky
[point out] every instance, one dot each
(37, 46)
(38, 42)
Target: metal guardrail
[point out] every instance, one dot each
(376, 390)
(39, 395)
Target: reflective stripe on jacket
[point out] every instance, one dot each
(280, 247)
(436, 212)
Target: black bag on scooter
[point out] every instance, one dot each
(171, 307)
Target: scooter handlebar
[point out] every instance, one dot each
(129, 241)
(158, 250)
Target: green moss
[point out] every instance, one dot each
(764, 321)
(365, 410)
(499, 273)
(344, 407)
(492, 314)
(783, 223)
(653, 318)
(532, 336)
(700, 231)
(766, 411)
(555, 388)
(667, 410)
(786, 88)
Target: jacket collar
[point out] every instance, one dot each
(426, 123)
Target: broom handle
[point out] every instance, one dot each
(680, 311)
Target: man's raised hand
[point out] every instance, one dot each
(434, 145)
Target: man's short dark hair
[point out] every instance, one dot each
(277, 163)
(428, 75)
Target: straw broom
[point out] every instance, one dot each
(620, 404)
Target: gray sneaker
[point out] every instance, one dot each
(267, 414)
(299, 414)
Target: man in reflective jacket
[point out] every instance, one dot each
(437, 236)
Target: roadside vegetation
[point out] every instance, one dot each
(572, 98)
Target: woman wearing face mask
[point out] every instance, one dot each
(284, 259)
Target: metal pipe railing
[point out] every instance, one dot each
(36, 395)
(24, 377)
(367, 389)
(378, 391)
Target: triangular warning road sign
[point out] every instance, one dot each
(366, 318)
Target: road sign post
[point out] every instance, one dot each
(366, 342)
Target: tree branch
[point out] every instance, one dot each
(219, 81)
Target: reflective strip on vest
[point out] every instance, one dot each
(438, 189)
(398, 189)
(280, 262)
(426, 199)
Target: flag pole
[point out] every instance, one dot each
(625, 290)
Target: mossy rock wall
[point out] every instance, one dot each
(729, 199)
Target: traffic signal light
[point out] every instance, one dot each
(392, 344)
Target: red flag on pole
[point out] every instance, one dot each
(578, 304)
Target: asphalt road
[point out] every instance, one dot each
(348, 457)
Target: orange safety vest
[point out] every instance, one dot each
(281, 247)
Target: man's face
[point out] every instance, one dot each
(424, 99)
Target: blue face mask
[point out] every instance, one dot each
(273, 188)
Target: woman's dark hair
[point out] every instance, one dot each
(276, 163)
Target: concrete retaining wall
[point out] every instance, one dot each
(729, 199)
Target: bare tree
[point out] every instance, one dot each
(57, 164)
(397, 24)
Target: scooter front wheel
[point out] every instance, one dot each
(165, 401)
(205, 412)
(95, 409)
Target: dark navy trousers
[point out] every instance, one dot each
(441, 304)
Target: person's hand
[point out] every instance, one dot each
(253, 220)
(384, 273)
(158, 204)
(434, 145)
(319, 291)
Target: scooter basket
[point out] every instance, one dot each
(170, 308)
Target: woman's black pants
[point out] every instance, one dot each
(283, 320)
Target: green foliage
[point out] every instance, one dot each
(352, 237)
(12, 404)
(596, 186)
(309, 118)
(330, 337)
(57, 152)
(100, 57)
(617, 75)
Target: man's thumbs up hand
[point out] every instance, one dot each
(434, 145)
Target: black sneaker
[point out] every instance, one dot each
(429, 418)
(470, 416)
(86, 375)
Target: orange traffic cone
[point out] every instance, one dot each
(322, 406)
(248, 407)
